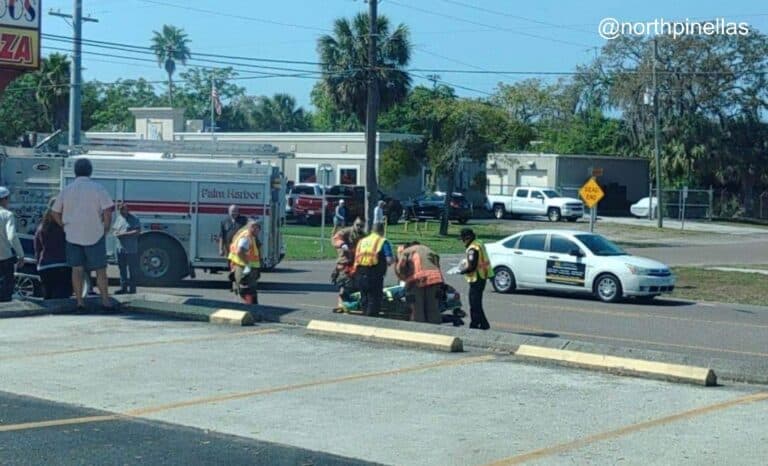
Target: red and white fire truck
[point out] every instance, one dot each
(181, 194)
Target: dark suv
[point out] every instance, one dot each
(431, 205)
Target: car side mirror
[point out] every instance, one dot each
(577, 252)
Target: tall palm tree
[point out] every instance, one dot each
(347, 72)
(170, 46)
(52, 92)
(279, 113)
(344, 57)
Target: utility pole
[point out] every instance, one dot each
(371, 114)
(75, 74)
(657, 154)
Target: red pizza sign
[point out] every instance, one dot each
(20, 34)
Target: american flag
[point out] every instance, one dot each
(216, 100)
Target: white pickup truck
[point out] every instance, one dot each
(535, 201)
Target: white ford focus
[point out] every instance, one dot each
(568, 260)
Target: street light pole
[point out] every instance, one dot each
(371, 114)
(657, 154)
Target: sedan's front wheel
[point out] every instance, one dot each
(608, 288)
(503, 280)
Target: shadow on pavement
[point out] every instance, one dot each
(658, 302)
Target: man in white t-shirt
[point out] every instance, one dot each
(84, 209)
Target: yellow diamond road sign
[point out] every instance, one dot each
(591, 193)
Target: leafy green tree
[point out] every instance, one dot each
(114, 99)
(19, 109)
(398, 160)
(53, 90)
(278, 113)
(328, 117)
(170, 46)
(195, 93)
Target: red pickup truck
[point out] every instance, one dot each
(308, 208)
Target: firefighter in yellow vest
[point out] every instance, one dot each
(372, 256)
(419, 267)
(245, 257)
(477, 270)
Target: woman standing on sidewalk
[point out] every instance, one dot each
(50, 256)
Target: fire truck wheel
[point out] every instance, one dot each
(161, 260)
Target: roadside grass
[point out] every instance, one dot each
(699, 284)
(303, 242)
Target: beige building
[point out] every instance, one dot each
(345, 152)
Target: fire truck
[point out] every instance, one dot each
(179, 191)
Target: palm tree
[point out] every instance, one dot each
(347, 72)
(170, 46)
(279, 113)
(52, 92)
(344, 57)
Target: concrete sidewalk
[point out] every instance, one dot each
(691, 225)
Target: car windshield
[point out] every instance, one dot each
(551, 193)
(601, 246)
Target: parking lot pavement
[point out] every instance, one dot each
(357, 400)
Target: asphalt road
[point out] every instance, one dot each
(724, 331)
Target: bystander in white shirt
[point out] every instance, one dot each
(82, 205)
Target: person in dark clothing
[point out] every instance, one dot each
(477, 270)
(126, 229)
(229, 226)
(51, 258)
(372, 256)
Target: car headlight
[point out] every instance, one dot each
(638, 270)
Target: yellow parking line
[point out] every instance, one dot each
(315, 383)
(631, 340)
(57, 422)
(634, 315)
(141, 344)
(622, 431)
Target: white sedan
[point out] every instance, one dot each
(640, 208)
(568, 260)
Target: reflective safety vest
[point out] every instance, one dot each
(368, 249)
(252, 256)
(483, 270)
(425, 272)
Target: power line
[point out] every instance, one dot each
(522, 18)
(476, 23)
(230, 15)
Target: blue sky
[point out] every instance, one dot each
(541, 36)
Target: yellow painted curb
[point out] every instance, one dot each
(231, 317)
(691, 374)
(431, 340)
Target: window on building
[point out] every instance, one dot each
(307, 175)
(348, 176)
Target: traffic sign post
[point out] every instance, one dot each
(591, 193)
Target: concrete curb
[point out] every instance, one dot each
(403, 337)
(636, 367)
(198, 309)
(151, 304)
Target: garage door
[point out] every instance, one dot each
(532, 178)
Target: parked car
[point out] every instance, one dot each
(535, 201)
(308, 208)
(431, 205)
(640, 208)
(575, 261)
(310, 189)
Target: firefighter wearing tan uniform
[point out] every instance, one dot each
(345, 241)
(477, 272)
(419, 267)
(245, 257)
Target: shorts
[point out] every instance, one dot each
(93, 257)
